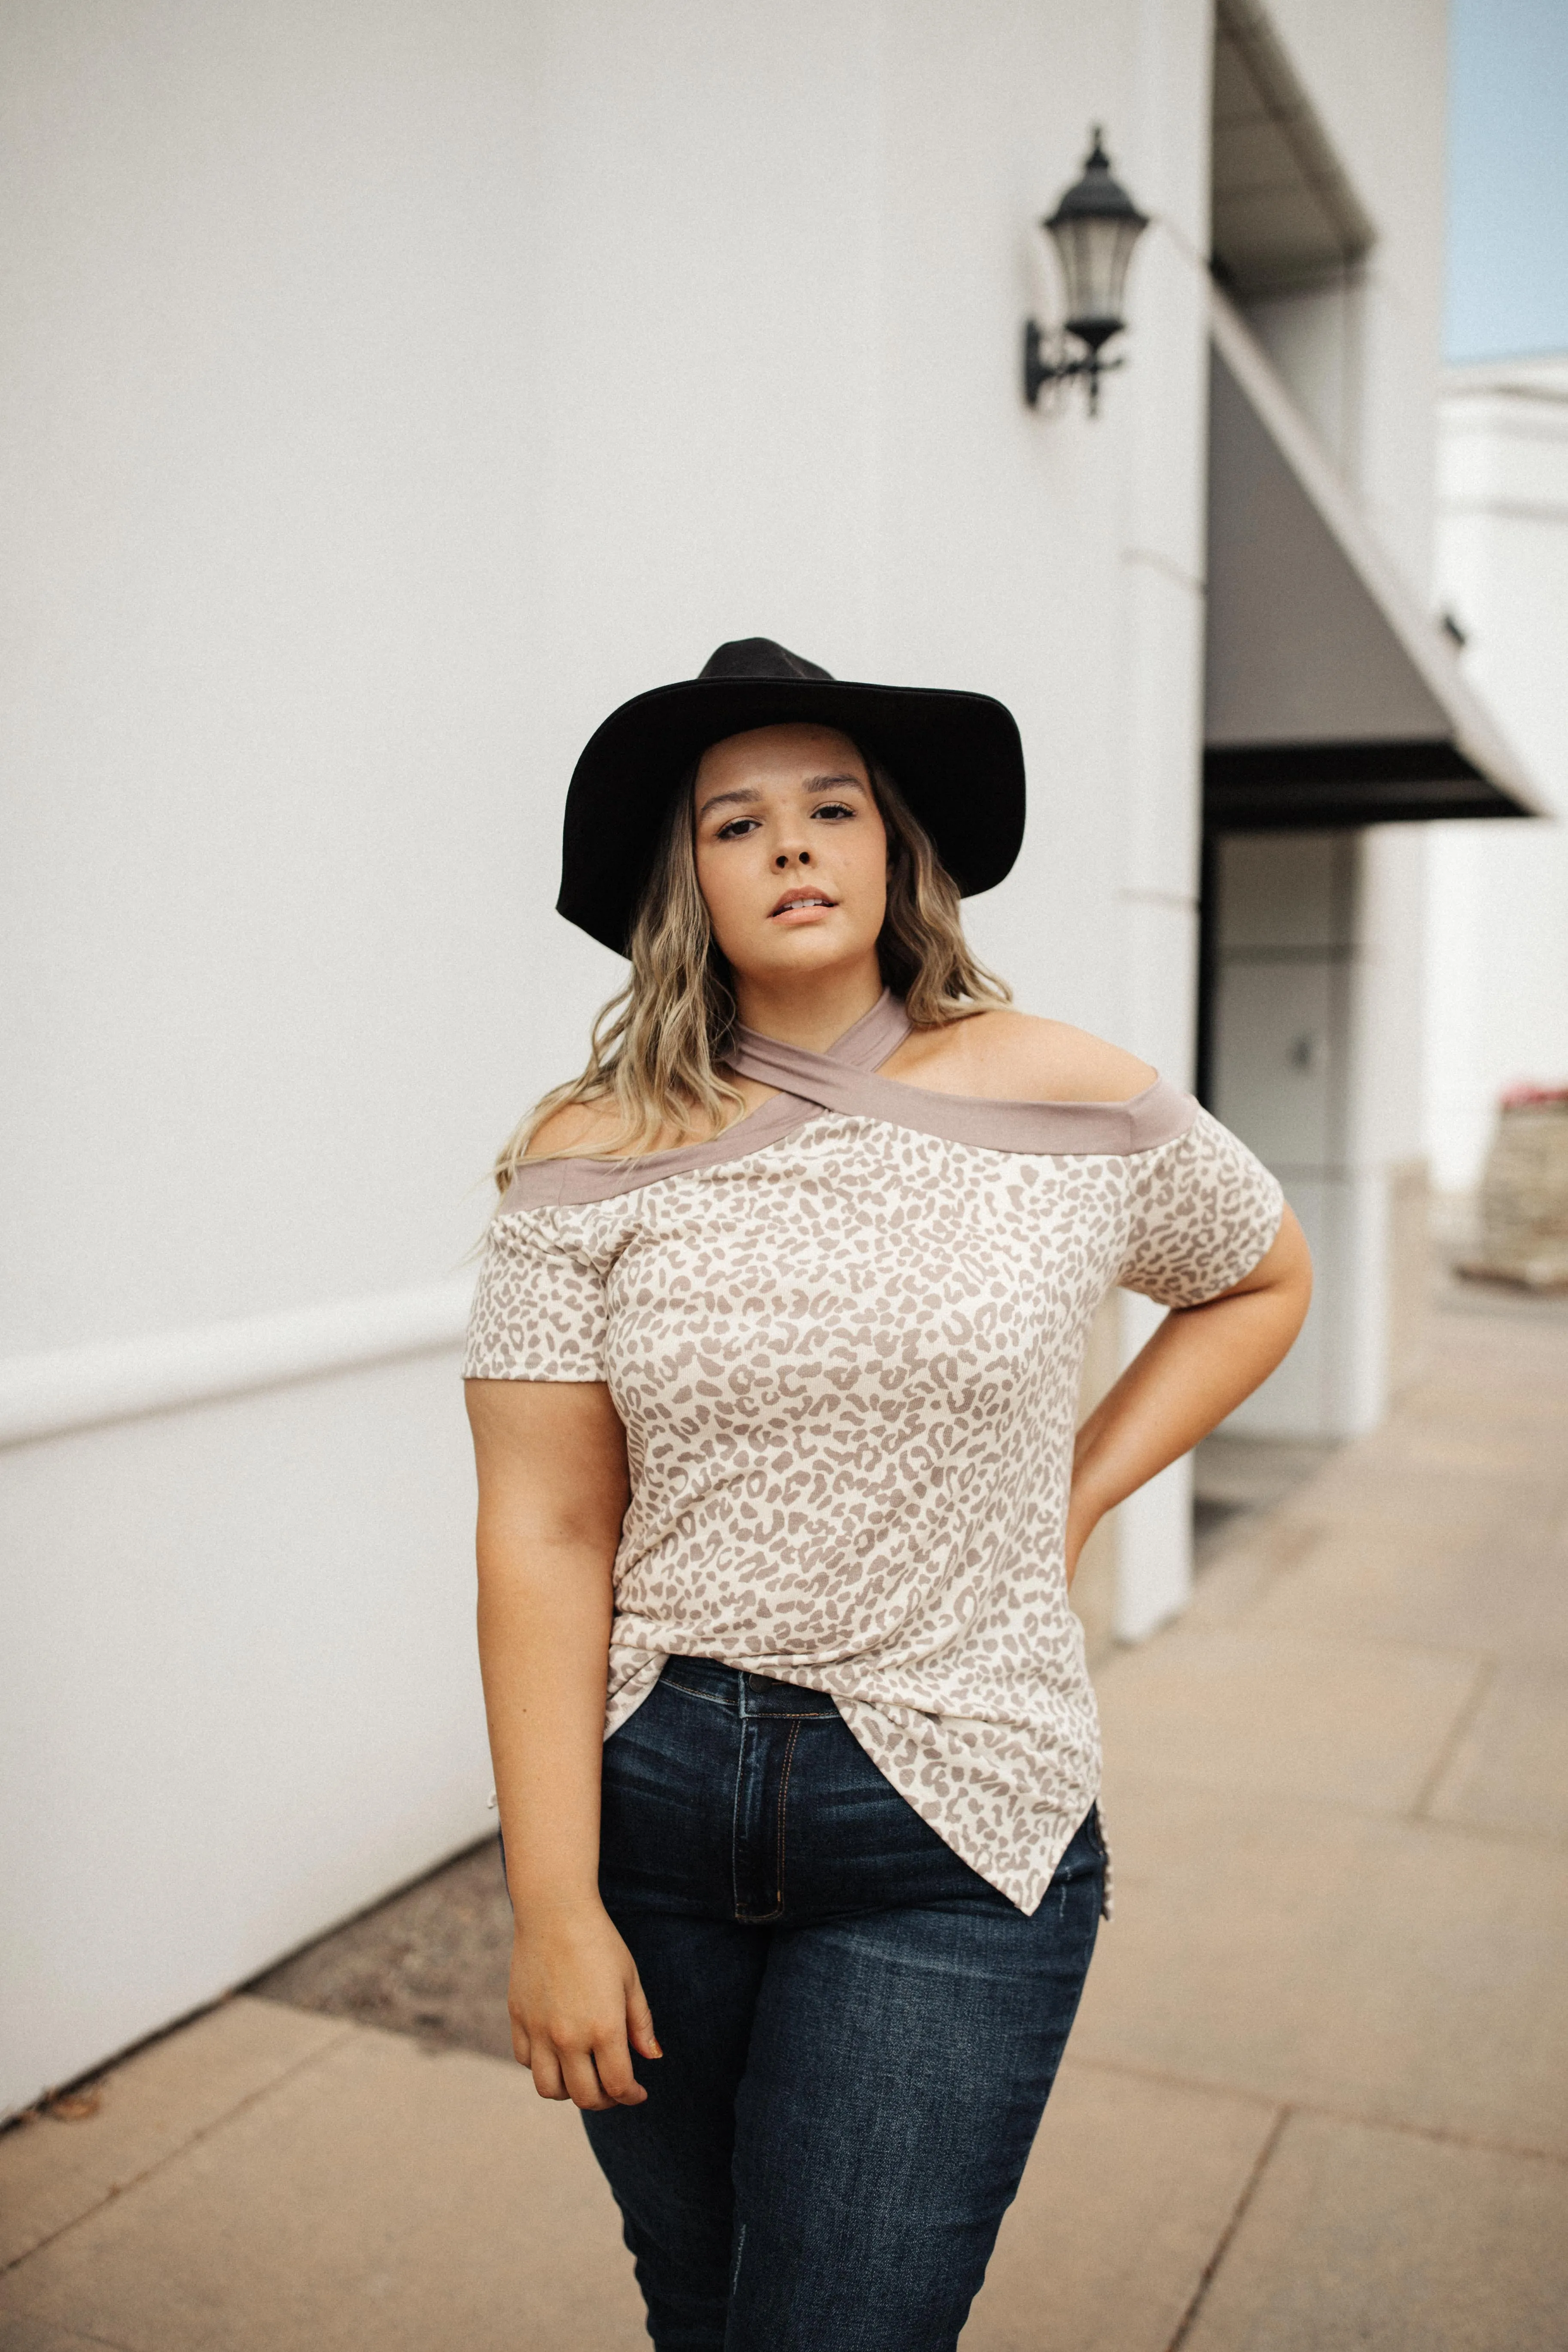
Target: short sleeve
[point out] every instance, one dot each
(1203, 1210)
(539, 1304)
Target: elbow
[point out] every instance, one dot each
(1296, 1270)
(1290, 1280)
(509, 1559)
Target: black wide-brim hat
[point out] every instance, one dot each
(956, 757)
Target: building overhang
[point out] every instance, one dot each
(1284, 213)
(1331, 697)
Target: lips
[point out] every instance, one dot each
(801, 897)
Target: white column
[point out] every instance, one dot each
(1163, 397)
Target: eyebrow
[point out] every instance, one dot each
(808, 784)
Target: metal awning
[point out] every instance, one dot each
(1284, 214)
(1332, 698)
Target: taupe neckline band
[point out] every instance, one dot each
(845, 1078)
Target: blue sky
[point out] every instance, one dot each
(1508, 178)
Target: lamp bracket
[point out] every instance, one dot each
(1048, 360)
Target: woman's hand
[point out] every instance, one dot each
(577, 2004)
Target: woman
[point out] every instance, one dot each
(771, 1373)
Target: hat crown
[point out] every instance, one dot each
(759, 658)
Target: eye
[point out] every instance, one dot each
(834, 809)
(735, 829)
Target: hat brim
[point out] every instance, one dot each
(955, 757)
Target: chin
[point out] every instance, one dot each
(814, 952)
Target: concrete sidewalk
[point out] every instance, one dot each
(1318, 2096)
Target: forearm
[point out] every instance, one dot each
(1197, 1368)
(544, 1613)
(552, 1464)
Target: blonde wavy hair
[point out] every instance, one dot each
(656, 1044)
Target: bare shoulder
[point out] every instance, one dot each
(587, 1130)
(1019, 1057)
(580, 1127)
(1050, 1061)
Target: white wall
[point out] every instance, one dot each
(388, 392)
(1498, 994)
(265, 448)
(239, 1695)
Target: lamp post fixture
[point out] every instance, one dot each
(1095, 227)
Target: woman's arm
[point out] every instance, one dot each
(1199, 1365)
(553, 1487)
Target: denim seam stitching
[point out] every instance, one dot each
(795, 1723)
(706, 1696)
(735, 1819)
(754, 1713)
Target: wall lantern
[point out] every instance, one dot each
(1095, 226)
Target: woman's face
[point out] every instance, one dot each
(791, 855)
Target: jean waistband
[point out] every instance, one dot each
(747, 1693)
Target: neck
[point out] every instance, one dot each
(809, 1009)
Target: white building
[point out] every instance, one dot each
(390, 391)
(1497, 1003)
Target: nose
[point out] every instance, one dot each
(784, 856)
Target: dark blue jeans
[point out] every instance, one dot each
(860, 2033)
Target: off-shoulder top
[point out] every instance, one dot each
(845, 1339)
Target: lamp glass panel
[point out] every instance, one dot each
(1094, 254)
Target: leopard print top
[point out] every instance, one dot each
(845, 1339)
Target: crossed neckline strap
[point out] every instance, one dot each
(799, 1071)
(847, 1078)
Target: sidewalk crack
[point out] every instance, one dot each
(1370, 2119)
(1486, 1673)
(1211, 2267)
(123, 2188)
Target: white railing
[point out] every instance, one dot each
(81, 1388)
